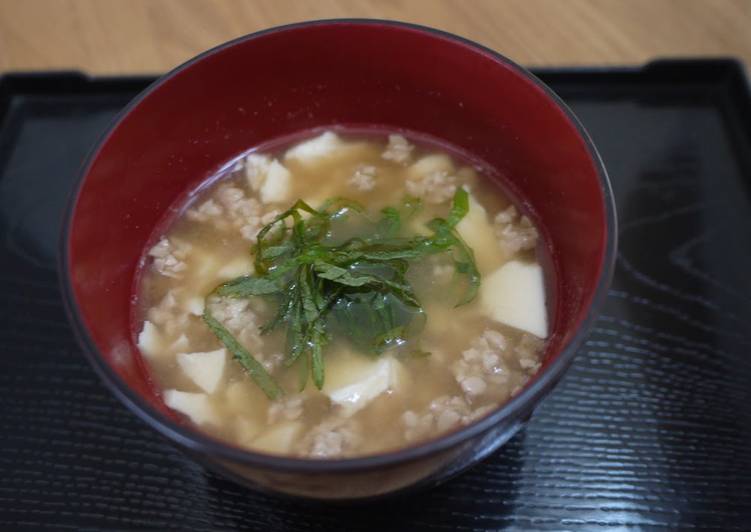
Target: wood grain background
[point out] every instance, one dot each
(151, 36)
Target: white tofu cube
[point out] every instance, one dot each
(205, 369)
(515, 295)
(150, 340)
(312, 150)
(477, 231)
(431, 164)
(194, 405)
(354, 380)
(276, 186)
(256, 168)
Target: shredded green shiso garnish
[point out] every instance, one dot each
(357, 288)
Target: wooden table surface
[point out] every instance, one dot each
(151, 36)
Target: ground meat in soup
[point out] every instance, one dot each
(450, 366)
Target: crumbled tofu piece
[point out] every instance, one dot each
(455, 404)
(474, 386)
(206, 211)
(205, 369)
(447, 419)
(507, 216)
(434, 188)
(514, 233)
(278, 439)
(515, 295)
(333, 437)
(161, 248)
(353, 380)
(194, 405)
(529, 352)
(364, 178)
(310, 151)
(237, 205)
(476, 230)
(149, 340)
(416, 425)
(253, 226)
(256, 168)
(248, 215)
(491, 367)
(431, 164)
(398, 150)
(168, 315)
(442, 414)
(169, 257)
(432, 178)
(268, 177)
(238, 316)
(483, 366)
(277, 185)
(235, 314)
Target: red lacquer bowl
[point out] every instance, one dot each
(281, 81)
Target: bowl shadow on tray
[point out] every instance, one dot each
(426, 505)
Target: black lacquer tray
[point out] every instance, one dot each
(651, 428)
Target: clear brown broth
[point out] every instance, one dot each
(427, 396)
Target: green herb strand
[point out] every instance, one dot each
(254, 368)
(359, 284)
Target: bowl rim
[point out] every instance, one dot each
(199, 442)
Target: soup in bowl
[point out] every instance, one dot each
(339, 259)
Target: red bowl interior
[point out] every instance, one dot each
(285, 80)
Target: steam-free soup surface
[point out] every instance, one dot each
(448, 366)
